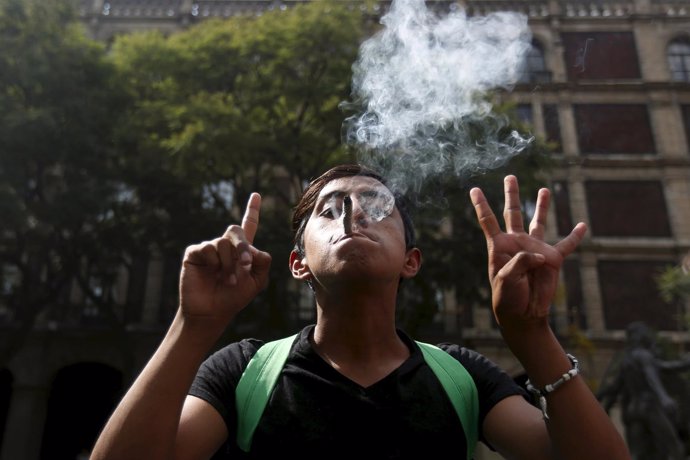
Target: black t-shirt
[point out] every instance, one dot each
(314, 411)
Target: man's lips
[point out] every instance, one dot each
(352, 235)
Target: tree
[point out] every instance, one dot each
(109, 156)
(229, 107)
(58, 191)
(253, 103)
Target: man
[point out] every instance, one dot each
(353, 385)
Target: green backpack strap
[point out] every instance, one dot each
(258, 379)
(255, 387)
(459, 387)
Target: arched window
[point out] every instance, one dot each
(678, 54)
(535, 66)
(81, 398)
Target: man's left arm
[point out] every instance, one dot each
(523, 272)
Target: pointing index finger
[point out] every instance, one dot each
(250, 221)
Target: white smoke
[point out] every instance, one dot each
(420, 85)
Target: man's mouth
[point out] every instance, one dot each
(349, 236)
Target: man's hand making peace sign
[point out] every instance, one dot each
(523, 268)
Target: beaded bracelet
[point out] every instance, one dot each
(550, 388)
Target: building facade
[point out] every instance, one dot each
(607, 82)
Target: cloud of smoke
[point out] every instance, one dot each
(420, 85)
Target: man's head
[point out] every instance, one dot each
(305, 206)
(375, 242)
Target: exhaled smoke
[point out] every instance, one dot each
(421, 86)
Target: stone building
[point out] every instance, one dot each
(608, 82)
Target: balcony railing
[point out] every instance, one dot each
(156, 9)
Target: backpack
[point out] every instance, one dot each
(260, 376)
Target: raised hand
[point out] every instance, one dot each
(523, 268)
(220, 277)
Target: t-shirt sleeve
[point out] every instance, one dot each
(493, 383)
(217, 378)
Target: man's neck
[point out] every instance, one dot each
(357, 316)
(356, 334)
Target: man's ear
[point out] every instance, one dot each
(413, 262)
(299, 267)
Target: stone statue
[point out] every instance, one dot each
(650, 415)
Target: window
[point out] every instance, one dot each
(524, 113)
(678, 55)
(600, 55)
(561, 199)
(623, 305)
(80, 399)
(552, 126)
(613, 128)
(136, 289)
(627, 208)
(169, 292)
(306, 308)
(535, 66)
(97, 291)
(686, 123)
(573, 293)
(10, 279)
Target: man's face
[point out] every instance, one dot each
(374, 247)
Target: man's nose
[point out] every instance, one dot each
(359, 213)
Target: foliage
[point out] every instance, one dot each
(230, 100)
(674, 284)
(109, 156)
(244, 104)
(58, 182)
(674, 287)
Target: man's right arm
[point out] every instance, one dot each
(145, 423)
(156, 419)
(201, 432)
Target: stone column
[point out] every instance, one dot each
(152, 297)
(593, 305)
(25, 421)
(568, 126)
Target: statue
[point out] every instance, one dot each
(651, 416)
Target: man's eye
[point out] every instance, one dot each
(326, 213)
(331, 209)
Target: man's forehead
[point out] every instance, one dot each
(353, 184)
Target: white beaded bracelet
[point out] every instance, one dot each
(550, 388)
